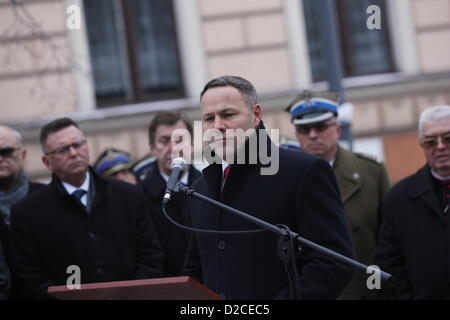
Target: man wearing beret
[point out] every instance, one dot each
(115, 164)
(362, 180)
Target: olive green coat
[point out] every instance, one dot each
(362, 181)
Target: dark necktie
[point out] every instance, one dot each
(78, 194)
(446, 197)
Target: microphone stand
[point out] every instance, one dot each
(286, 248)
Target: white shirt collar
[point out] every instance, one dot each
(85, 186)
(439, 177)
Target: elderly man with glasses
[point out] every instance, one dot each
(415, 233)
(362, 180)
(80, 221)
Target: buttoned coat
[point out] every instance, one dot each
(363, 182)
(302, 195)
(415, 240)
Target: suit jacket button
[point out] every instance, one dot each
(222, 244)
(91, 235)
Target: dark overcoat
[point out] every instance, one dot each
(302, 195)
(415, 240)
(51, 231)
(174, 240)
(5, 276)
(4, 228)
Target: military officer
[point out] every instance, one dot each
(362, 179)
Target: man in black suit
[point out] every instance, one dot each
(414, 241)
(174, 240)
(296, 190)
(80, 221)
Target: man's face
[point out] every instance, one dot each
(320, 139)
(67, 153)
(224, 108)
(163, 146)
(12, 156)
(437, 151)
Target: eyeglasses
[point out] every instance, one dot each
(66, 149)
(429, 142)
(319, 127)
(7, 152)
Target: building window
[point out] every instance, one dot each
(364, 51)
(133, 49)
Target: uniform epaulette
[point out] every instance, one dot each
(369, 157)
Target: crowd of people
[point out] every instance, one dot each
(107, 218)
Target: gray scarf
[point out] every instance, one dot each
(8, 199)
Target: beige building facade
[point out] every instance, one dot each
(47, 71)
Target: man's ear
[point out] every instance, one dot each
(47, 162)
(257, 113)
(338, 129)
(23, 154)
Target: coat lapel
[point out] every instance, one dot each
(347, 173)
(154, 183)
(213, 178)
(423, 187)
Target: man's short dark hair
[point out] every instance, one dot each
(244, 86)
(167, 118)
(55, 126)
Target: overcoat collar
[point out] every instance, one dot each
(155, 185)
(422, 186)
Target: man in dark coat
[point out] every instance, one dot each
(174, 240)
(362, 180)
(80, 220)
(415, 235)
(297, 190)
(14, 184)
(5, 276)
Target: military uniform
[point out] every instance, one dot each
(362, 181)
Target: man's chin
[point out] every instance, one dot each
(315, 151)
(443, 169)
(78, 170)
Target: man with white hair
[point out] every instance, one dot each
(415, 235)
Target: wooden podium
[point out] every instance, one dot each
(174, 288)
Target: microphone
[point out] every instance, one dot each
(179, 165)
